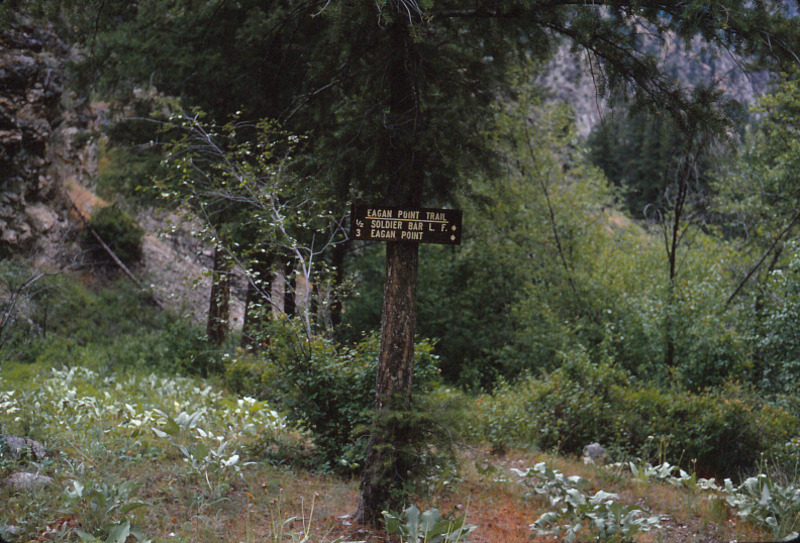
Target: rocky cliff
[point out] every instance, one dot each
(43, 144)
(569, 76)
(48, 162)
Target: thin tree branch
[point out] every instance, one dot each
(755, 268)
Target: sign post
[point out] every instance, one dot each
(404, 230)
(424, 225)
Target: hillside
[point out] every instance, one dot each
(569, 78)
(50, 139)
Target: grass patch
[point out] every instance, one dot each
(66, 322)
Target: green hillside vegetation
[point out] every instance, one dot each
(141, 448)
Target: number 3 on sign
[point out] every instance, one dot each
(358, 232)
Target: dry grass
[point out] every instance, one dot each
(273, 505)
(257, 508)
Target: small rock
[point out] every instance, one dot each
(42, 216)
(23, 480)
(21, 447)
(594, 453)
(9, 236)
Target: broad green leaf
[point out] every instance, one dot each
(120, 533)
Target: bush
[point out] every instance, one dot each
(327, 389)
(18, 286)
(68, 323)
(778, 343)
(565, 410)
(182, 348)
(119, 232)
(723, 430)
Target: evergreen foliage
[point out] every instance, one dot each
(118, 231)
(637, 151)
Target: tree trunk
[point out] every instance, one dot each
(672, 239)
(218, 307)
(290, 290)
(337, 263)
(384, 466)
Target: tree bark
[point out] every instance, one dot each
(218, 306)
(398, 324)
(384, 469)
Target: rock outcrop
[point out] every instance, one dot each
(39, 138)
(49, 163)
(570, 78)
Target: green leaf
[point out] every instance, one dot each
(77, 490)
(412, 523)
(766, 497)
(602, 496)
(575, 497)
(429, 519)
(86, 536)
(171, 427)
(393, 524)
(120, 533)
(201, 451)
(131, 506)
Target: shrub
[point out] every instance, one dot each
(182, 348)
(777, 364)
(69, 323)
(327, 389)
(566, 409)
(723, 430)
(118, 231)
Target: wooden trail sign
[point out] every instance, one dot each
(422, 225)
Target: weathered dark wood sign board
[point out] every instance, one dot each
(411, 225)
